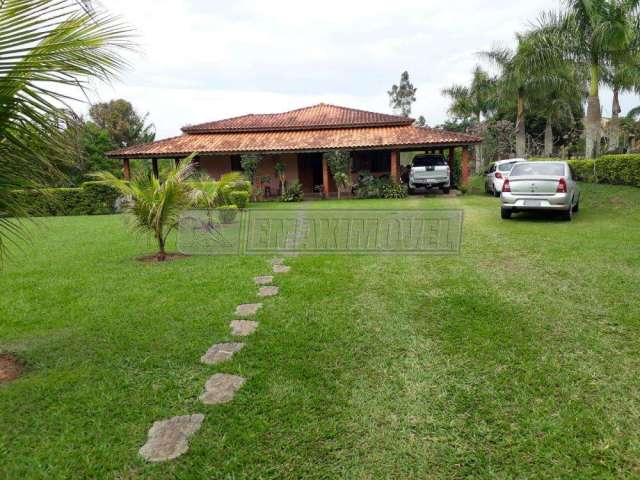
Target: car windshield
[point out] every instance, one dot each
(506, 167)
(547, 169)
(428, 161)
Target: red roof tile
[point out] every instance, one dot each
(298, 140)
(321, 116)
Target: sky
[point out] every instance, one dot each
(203, 60)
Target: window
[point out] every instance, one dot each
(236, 163)
(544, 169)
(429, 161)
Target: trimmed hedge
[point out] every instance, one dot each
(89, 199)
(613, 169)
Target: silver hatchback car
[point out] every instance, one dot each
(540, 186)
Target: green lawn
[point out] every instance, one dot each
(517, 358)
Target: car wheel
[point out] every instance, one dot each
(412, 191)
(505, 213)
(446, 190)
(576, 207)
(496, 193)
(567, 215)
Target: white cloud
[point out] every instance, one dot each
(203, 60)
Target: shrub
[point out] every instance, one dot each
(227, 214)
(293, 192)
(394, 189)
(619, 169)
(240, 198)
(89, 199)
(369, 186)
(613, 169)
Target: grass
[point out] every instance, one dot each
(517, 358)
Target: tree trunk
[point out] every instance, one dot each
(548, 138)
(593, 121)
(162, 254)
(521, 134)
(614, 125)
(478, 149)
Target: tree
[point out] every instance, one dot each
(49, 50)
(340, 165)
(124, 124)
(249, 163)
(156, 205)
(622, 75)
(420, 122)
(282, 174)
(592, 33)
(402, 96)
(524, 73)
(473, 102)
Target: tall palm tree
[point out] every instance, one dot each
(592, 34)
(48, 48)
(524, 73)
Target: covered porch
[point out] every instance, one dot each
(311, 169)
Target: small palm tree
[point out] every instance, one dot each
(49, 48)
(156, 205)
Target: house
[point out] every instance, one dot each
(299, 138)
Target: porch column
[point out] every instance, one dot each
(154, 166)
(126, 169)
(452, 161)
(395, 161)
(325, 177)
(465, 165)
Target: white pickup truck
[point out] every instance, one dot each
(429, 171)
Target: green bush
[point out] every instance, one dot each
(619, 169)
(393, 189)
(89, 199)
(240, 198)
(293, 192)
(369, 186)
(613, 169)
(227, 214)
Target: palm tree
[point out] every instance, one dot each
(156, 205)
(622, 75)
(46, 47)
(524, 73)
(592, 34)
(475, 101)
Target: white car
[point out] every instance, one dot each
(496, 174)
(429, 171)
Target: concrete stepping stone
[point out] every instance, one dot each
(221, 353)
(268, 291)
(281, 269)
(243, 328)
(168, 439)
(248, 310)
(277, 261)
(221, 388)
(266, 280)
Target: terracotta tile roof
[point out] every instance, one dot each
(321, 116)
(298, 140)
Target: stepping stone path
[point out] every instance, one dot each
(221, 353)
(243, 328)
(248, 310)
(277, 268)
(277, 261)
(268, 291)
(267, 280)
(168, 439)
(221, 388)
